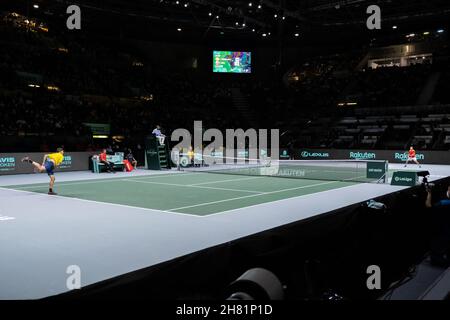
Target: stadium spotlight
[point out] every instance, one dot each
(440, 31)
(186, 5)
(297, 34)
(217, 17)
(253, 30)
(264, 34)
(210, 14)
(256, 284)
(177, 2)
(250, 4)
(275, 15)
(394, 27)
(179, 29)
(36, 6)
(259, 6)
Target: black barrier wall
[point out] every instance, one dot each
(77, 161)
(73, 161)
(393, 156)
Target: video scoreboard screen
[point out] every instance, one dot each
(232, 62)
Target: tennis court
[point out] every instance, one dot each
(198, 193)
(153, 217)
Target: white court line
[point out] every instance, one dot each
(230, 180)
(250, 196)
(265, 203)
(280, 200)
(104, 203)
(42, 185)
(159, 175)
(101, 180)
(295, 197)
(192, 186)
(137, 178)
(171, 211)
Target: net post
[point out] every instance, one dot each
(386, 171)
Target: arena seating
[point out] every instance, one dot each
(41, 84)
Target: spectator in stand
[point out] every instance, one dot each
(110, 150)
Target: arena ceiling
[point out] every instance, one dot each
(271, 21)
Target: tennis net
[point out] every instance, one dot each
(333, 170)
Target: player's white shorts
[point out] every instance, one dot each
(412, 159)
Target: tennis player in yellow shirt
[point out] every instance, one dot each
(50, 162)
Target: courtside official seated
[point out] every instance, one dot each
(158, 134)
(110, 162)
(131, 159)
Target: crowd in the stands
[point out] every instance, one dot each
(51, 86)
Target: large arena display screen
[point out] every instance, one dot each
(232, 62)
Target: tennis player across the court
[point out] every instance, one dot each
(50, 162)
(412, 157)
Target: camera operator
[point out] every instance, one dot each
(440, 215)
(443, 202)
